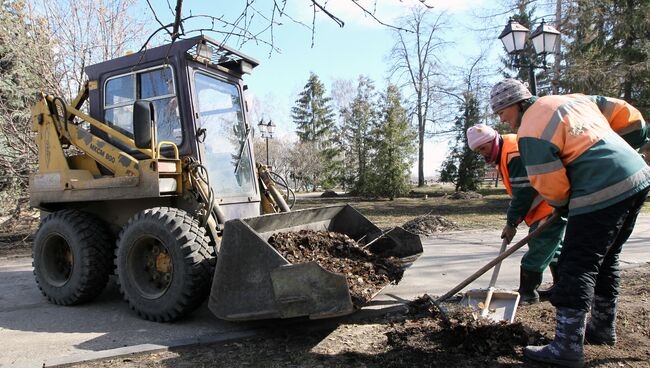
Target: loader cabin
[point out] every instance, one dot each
(195, 87)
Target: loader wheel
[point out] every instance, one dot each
(72, 257)
(164, 264)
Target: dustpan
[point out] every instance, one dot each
(492, 303)
(489, 306)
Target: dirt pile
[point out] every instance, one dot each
(464, 195)
(366, 273)
(429, 224)
(463, 332)
(329, 194)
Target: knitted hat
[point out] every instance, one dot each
(508, 92)
(480, 134)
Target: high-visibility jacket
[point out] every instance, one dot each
(526, 204)
(574, 158)
(624, 120)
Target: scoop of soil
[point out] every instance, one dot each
(429, 224)
(366, 273)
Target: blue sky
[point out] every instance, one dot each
(360, 47)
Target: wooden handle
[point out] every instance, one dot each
(498, 259)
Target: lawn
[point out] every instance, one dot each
(486, 212)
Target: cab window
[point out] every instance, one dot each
(155, 85)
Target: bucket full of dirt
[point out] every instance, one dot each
(319, 263)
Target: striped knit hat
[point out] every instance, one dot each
(508, 92)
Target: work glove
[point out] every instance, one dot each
(508, 232)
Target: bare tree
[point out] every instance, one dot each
(306, 164)
(256, 22)
(416, 65)
(280, 151)
(87, 32)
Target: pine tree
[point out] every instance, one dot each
(312, 113)
(395, 147)
(463, 167)
(356, 140)
(608, 49)
(314, 119)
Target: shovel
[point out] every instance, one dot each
(492, 263)
(495, 305)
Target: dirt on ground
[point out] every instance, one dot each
(366, 273)
(418, 337)
(429, 224)
(464, 195)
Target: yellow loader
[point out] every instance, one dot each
(155, 181)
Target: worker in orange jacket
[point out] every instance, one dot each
(526, 206)
(580, 155)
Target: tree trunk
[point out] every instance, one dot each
(420, 150)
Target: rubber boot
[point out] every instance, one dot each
(601, 328)
(567, 349)
(528, 284)
(545, 294)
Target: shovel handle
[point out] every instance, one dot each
(498, 259)
(497, 268)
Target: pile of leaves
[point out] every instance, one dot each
(464, 195)
(429, 224)
(366, 273)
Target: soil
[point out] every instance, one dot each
(366, 273)
(464, 195)
(329, 194)
(429, 224)
(418, 337)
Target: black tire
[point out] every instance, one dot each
(72, 256)
(164, 264)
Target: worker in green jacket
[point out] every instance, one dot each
(526, 206)
(576, 160)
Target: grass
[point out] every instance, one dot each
(487, 212)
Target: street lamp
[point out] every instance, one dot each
(544, 39)
(267, 130)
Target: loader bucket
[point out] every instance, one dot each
(254, 281)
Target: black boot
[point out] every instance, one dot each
(545, 294)
(567, 349)
(528, 284)
(601, 328)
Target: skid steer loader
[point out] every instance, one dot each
(157, 184)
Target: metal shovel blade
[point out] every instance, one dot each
(493, 304)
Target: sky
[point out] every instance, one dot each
(361, 47)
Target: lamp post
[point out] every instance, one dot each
(544, 39)
(267, 130)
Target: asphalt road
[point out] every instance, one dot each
(35, 333)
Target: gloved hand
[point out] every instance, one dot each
(508, 233)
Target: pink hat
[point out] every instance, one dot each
(480, 134)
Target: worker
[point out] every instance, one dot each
(580, 166)
(526, 205)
